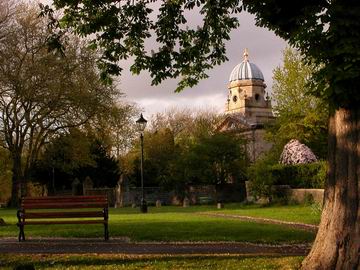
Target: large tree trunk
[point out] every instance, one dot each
(337, 244)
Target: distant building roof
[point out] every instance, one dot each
(236, 122)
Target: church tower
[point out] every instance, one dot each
(247, 94)
(248, 108)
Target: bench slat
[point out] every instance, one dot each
(64, 202)
(95, 197)
(63, 222)
(83, 214)
(53, 205)
(72, 198)
(50, 199)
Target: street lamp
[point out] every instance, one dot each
(141, 124)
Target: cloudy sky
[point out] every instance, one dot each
(265, 50)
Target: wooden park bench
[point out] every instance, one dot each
(63, 210)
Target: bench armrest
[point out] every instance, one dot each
(20, 215)
(106, 213)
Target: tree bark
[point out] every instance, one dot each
(337, 244)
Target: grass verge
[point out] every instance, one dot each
(96, 261)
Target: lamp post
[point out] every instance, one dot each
(141, 124)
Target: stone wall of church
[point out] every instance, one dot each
(256, 144)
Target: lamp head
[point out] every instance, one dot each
(141, 123)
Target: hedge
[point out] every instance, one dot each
(310, 175)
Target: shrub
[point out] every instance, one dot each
(263, 175)
(279, 195)
(310, 175)
(261, 179)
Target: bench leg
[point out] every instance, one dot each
(20, 216)
(106, 232)
(21, 233)
(106, 223)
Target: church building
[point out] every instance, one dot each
(248, 107)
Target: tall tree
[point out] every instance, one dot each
(75, 154)
(5, 175)
(61, 157)
(298, 115)
(42, 93)
(186, 124)
(218, 159)
(115, 127)
(7, 12)
(324, 31)
(175, 119)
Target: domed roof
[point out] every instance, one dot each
(246, 70)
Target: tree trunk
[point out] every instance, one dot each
(337, 244)
(18, 184)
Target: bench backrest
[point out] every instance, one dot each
(64, 202)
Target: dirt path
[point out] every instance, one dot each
(301, 226)
(119, 246)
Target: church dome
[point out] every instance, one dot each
(246, 70)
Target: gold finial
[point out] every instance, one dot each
(246, 54)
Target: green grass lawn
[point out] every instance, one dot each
(91, 262)
(171, 223)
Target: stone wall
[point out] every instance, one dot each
(197, 192)
(132, 196)
(256, 144)
(299, 194)
(152, 194)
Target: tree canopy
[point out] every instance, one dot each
(298, 115)
(121, 30)
(323, 31)
(7, 11)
